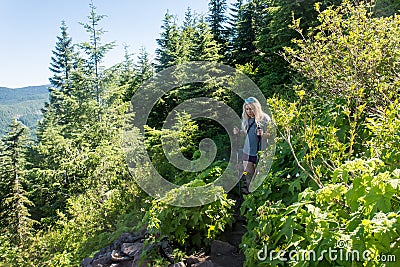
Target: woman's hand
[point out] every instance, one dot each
(260, 131)
(235, 130)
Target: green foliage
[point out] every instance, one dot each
(78, 179)
(92, 221)
(167, 43)
(190, 227)
(216, 20)
(385, 8)
(242, 35)
(63, 61)
(204, 47)
(94, 49)
(194, 40)
(79, 136)
(275, 75)
(335, 175)
(315, 138)
(350, 55)
(185, 132)
(67, 166)
(384, 128)
(208, 175)
(335, 178)
(15, 221)
(359, 208)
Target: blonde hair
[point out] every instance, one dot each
(259, 115)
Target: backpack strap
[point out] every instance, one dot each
(251, 124)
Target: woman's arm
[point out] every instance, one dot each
(237, 131)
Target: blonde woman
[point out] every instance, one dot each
(254, 124)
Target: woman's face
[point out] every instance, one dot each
(249, 110)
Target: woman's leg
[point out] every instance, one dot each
(249, 168)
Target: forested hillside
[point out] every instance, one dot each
(22, 103)
(330, 73)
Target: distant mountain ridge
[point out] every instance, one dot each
(24, 103)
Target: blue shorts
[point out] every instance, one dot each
(249, 158)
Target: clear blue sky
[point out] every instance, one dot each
(29, 29)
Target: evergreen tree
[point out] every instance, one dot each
(385, 8)
(217, 20)
(274, 72)
(244, 37)
(124, 73)
(126, 67)
(232, 29)
(62, 119)
(14, 213)
(130, 74)
(70, 132)
(190, 18)
(95, 50)
(168, 43)
(63, 62)
(204, 47)
(144, 67)
(186, 36)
